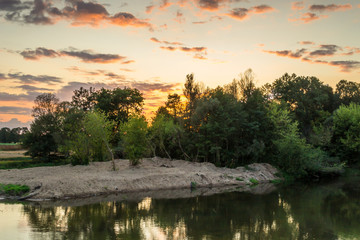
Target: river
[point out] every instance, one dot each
(318, 211)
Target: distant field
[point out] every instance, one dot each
(8, 155)
(10, 146)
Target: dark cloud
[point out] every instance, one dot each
(149, 87)
(165, 42)
(91, 57)
(77, 12)
(30, 96)
(289, 53)
(329, 8)
(325, 50)
(168, 48)
(38, 53)
(13, 5)
(307, 17)
(193, 49)
(2, 76)
(239, 13)
(32, 79)
(30, 88)
(346, 66)
(38, 14)
(87, 56)
(209, 4)
(243, 13)
(15, 110)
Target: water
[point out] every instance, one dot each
(328, 211)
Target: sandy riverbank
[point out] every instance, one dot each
(153, 174)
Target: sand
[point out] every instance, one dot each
(153, 174)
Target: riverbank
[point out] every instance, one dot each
(153, 174)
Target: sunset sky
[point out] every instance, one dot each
(59, 45)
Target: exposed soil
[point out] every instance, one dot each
(154, 174)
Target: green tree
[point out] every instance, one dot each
(92, 141)
(44, 137)
(347, 92)
(308, 98)
(164, 136)
(346, 138)
(134, 138)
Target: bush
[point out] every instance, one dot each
(14, 190)
(135, 139)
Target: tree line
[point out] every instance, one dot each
(13, 135)
(297, 123)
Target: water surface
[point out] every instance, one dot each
(327, 211)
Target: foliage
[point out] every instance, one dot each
(90, 143)
(13, 190)
(346, 138)
(254, 181)
(134, 137)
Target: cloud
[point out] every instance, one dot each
(325, 50)
(30, 96)
(32, 79)
(14, 123)
(32, 88)
(288, 53)
(200, 52)
(297, 5)
(317, 53)
(308, 17)
(38, 53)
(149, 9)
(77, 12)
(87, 56)
(165, 42)
(15, 110)
(13, 5)
(244, 13)
(329, 8)
(90, 57)
(147, 87)
(346, 66)
(127, 19)
(307, 43)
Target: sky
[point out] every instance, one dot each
(57, 46)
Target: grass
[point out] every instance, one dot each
(239, 179)
(193, 185)
(254, 181)
(9, 144)
(13, 189)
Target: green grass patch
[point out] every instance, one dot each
(254, 181)
(9, 144)
(13, 189)
(193, 185)
(239, 179)
(29, 164)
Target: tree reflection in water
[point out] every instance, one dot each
(297, 212)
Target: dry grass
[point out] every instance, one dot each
(12, 154)
(13, 147)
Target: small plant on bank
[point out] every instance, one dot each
(254, 181)
(239, 179)
(193, 185)
(13, 189)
